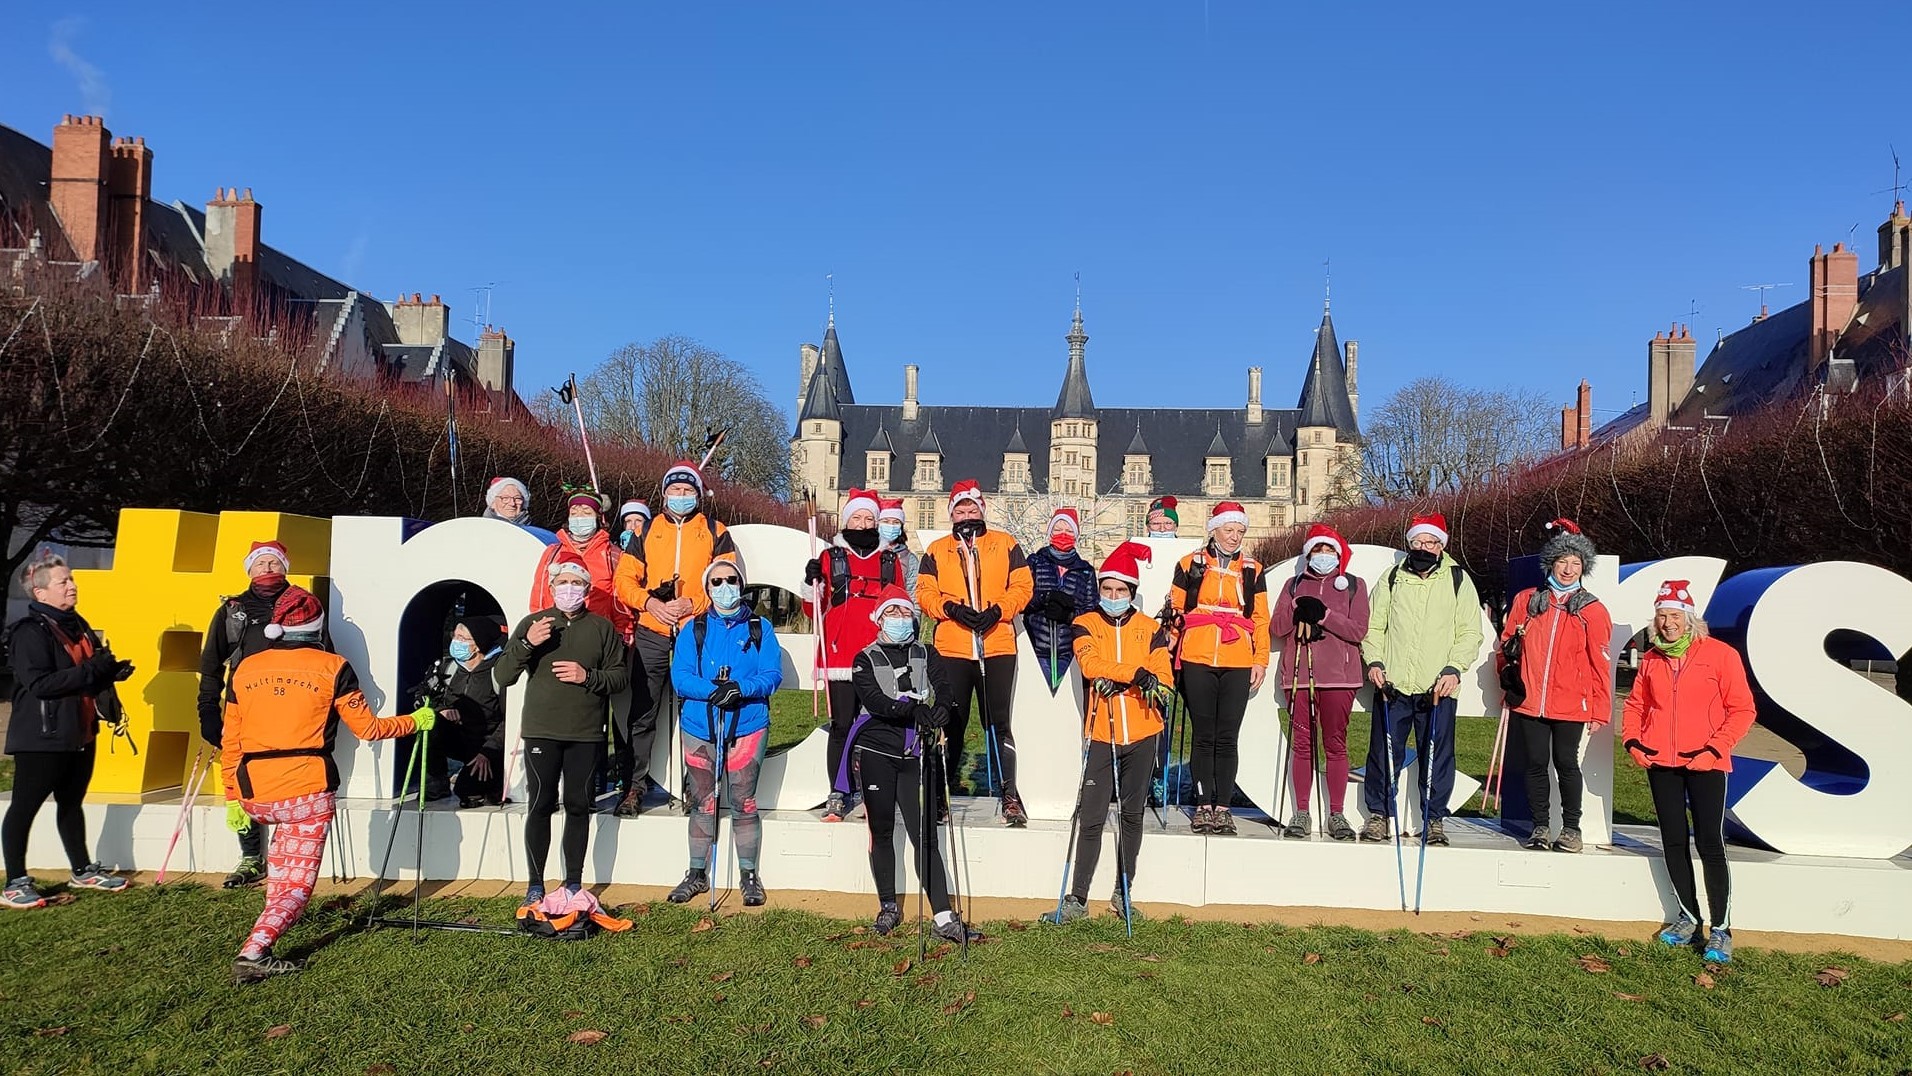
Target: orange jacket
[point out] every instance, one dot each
(1684, 708)
(1564, 659)
(1226, 625)
(671, 550)
(600, 555)
(1119, 651)
(1002, 577)
(279, 731)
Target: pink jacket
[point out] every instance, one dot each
(1334, 660)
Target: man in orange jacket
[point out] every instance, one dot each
(973, 582)
(276, 760)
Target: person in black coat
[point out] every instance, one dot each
(471, 727)
(63, 677)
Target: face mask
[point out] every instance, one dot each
(461, 650)
(1062, 542)
(862, 539)
(568, 597)
(1422, 561)
(301, 637)
(889, 532)
(726, 596)
(627, 540)
(1115, 606)
(581, 527)
(970, 529)
(681, 506)
(1323, 563)
(268, 582)
(898, 629)
(1562, 588)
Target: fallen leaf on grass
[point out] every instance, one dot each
(1514, 923)
(1150, 958)
(1704, 979)
(927, 980)
(380, 1070)
(1895, 1018)
(1507, 942)
(56, 1032)
(703, 924)
(571, 1014)
(902, 967)
(1144, 975)
(680, 1018)
(469, 1027)
(803, 962)
(960, 1003)
(1432, 1021)
(1017, 925)
(717, 999)
(1103, 1018)
(1581, 930)
(859, 930)
(588, 1037)
(871, 943)
(1067, 1012)
(276, 1031)
(1438, 951)
(1101, 947)
(1621, 951)
(679, 961)
(837, 937)
(941, 951)
(722, 976)
(1594, 964)
(1629, 997)
(815, 1020)
(1310, 959)
(1832, 976)
(1407, 988)
(1655, 1063)
(1500, 950)
(864, 1003)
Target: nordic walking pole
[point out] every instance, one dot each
(422, 752)
(1121, 866)
(398, 808)
(718, 773)
(1317, 749)
(1075, 816)
(956, 876)
(1496, 762)
(1394, 815)
(992, 763)
(1288, 740)
(925, 832)
(822, 602)
(1426, 771)
(198, 779)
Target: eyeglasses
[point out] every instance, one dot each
(513, 499)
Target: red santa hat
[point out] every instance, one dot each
(892, 595)
(267, 549)
(567, 563)
(296, 610)
(499, 485)
(1066, 518)
(1676, 594)
(686, 472)
(859, 500)
(1434, 524)
(1125, 563)
(1227, 512)
(1322, 534)
(965, 490)
(889, 510)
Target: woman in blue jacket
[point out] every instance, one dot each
(725, 667)
(1065, 589)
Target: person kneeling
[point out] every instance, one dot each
(902, 692)
(1124, 656)
(725, 668)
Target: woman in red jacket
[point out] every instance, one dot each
(1318, 624)
(1690, 705)
(1567, 669)
(841, 590)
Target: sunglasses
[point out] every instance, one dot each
(719, 580)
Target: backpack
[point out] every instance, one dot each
(1198, 567)
(1454, 572)
(700, 627)
(840, 574)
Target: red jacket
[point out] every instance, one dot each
(1564, 659)
(600, 555)
(847, 627)
(1677, 708)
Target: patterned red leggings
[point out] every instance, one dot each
(299, 826)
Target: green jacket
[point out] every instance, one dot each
(1421, 628)
(553, 709)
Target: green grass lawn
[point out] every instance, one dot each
(137, 983)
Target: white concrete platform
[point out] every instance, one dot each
(1483, 871)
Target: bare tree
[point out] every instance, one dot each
(1434, 436)
(1026, 517)
(674, 392)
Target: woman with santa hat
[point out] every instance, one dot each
(1065, 589)
(1317, 627)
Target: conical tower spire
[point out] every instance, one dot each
(1324, 393)
(1075, 400)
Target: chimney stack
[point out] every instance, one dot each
(1895, 239)
(1835, 295)
(909, 392)
(129, 185)
(232, 240)
(1254, 395)
(1350, 351)
(497, 354)
(1569, 424)
(421, 321)
(1583, 432)
(78, 190)
(1669, 373)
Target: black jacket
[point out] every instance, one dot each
(49, 690)
(237, 631)
(891, 716)
(481, 711)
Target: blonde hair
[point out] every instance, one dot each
(37, 573)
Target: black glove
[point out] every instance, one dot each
(1059, 607)
(102, 665)
(1635, 745)
(123, 671)
(1707, 750)
(987, 619)
(1105, 687)
(929, 717)
(726, 695)
(1147, 681)
(813, 571)
(1309, 610)
(665, 591)
(962, 614)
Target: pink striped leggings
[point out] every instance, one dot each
(299, 826)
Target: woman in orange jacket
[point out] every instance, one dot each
(1220, 595)
(1566, 667)
(277, 764)
(1690, 704)
(1127, 673)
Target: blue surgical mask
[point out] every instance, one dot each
(1323, 563)
(581, 527)
(726, 596)
(1562, 588)
(681, 506)
(889, 532)
(898, 629)
(461, 650)
(1115, 606)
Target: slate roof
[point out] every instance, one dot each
(26, 171)
(1324, 393)
(1075, 400)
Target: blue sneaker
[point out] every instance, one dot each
(94, 876)
(1679, 932)
(19, 893)
(1719, 946)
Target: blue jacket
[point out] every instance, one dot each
(757, 670)
(1074, 576)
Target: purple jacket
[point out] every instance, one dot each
(1335, 659)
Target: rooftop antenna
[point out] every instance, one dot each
(480, 318)
(830, 280)
(1327, 283)
(1762, 289)
(1693, 310)
(1078, 280)
(1897, 189)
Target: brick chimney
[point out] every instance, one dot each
(1669, 373)
(1254, 395)
(910, 407)
(1835, 295)
(496, 355)
(1895, 239)
(1583, 432)
(1569, 425)
(420, 320)
(1351, 354)
(78, 191)
(232, 240)
(129, 185)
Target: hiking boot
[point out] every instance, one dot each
(1116, 908)
(1679, 932)
(1376, 828)
(1300, 827)
(631, 805)
(955, 931)
(1070, 910)
(1013, 815)
(696, 881)
(1222, 822)
(835, 808)
(20, 894)
(1435, 833)
(252, 969)
(1719, 946)
(751, 883)
(250, 871)
(1536, 840)
(1202, 820)
(94, 876)
(1338, 828)
(888, 917)
(1569, 840)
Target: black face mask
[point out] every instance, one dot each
(970, 529)
(1421, 561)
(862, 539)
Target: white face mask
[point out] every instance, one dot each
(726, 596)
(1323, 563)
(582, 527)
(568, 597)
(898, 629)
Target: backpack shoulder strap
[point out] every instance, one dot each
(756, 634)
(1197, 567)
(888, 571)
(700, 627)
(1394, 576)
(1455, 572)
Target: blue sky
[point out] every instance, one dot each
(1512, 194)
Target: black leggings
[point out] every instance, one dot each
(37, 775)
(546, 763)
(966, 681)
(1676, 791)
(843, 711)
(1131, 795)
(1217, 700)
(890, 783)
(1547, 739)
